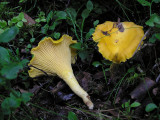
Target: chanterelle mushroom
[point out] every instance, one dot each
(55, 57)
(118, 41)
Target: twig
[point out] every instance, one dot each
(158, 78)
(39, 69)
(142, 40)
(67, 3)
(58, 87)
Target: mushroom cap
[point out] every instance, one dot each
(51, 56)
(118, 42)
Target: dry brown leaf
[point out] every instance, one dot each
(58, 87)
(84, 78)
(30, 21)
(35, 89)
(142, 88)
(100, 75)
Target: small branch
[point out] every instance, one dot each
(142, 40)
(58, 87)
(39, 69)
(158, 78)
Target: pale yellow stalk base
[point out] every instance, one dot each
(70, 79)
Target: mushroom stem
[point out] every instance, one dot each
(71, 81)
(114, 70)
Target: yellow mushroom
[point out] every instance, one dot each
(55, 57)
(118, 41)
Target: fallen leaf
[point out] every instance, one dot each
(58, 87)
(100, 75)
(155, 91)
(30, 21)
(158, 78)
(119, 95)
(84, 80)
(35, 89)
(64, 97)
(141, 90)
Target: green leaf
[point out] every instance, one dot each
(10, 23)
(24, 20)
(156, 1)
(14, 20)
(41, 14)
(130, 70)
(144, 2)
(1, 30)
(135, 104)
(96, 64)
(89, 34)
(9, 34)
(95, 23)
(89, 5)
(12, 69)
(43, 20)
(3, 23)
(98, 11)
(4, 3)
(24, 62)
(32, 40)
(126, 104)
(26, 97)
(157, 35)
(5, 106)
(22, 1)
(150, 22)
(2, 81)
(61, 15)
(17, 52)
(53, 26)
(56, 35)
(38, 20)
(44, 29)
(153, 19)
(72, 116)
(4, 56)
(15, 94)
(20, 16)
(71, 13)
(135, 75)
(77, 46)
(49, 16)
(107, 69)
(83, 54)
(20, 24)
(29, 46)
(10, 104)
(152, 39)
(106, 62)
(150, 107)
(85, 13)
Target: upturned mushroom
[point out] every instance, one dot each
(118, 41)
(55, 57)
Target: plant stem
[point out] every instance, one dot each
(34, 105)
(150, 8)
(75, 30)
(82, 30)
(119, 84)
(104, 75)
